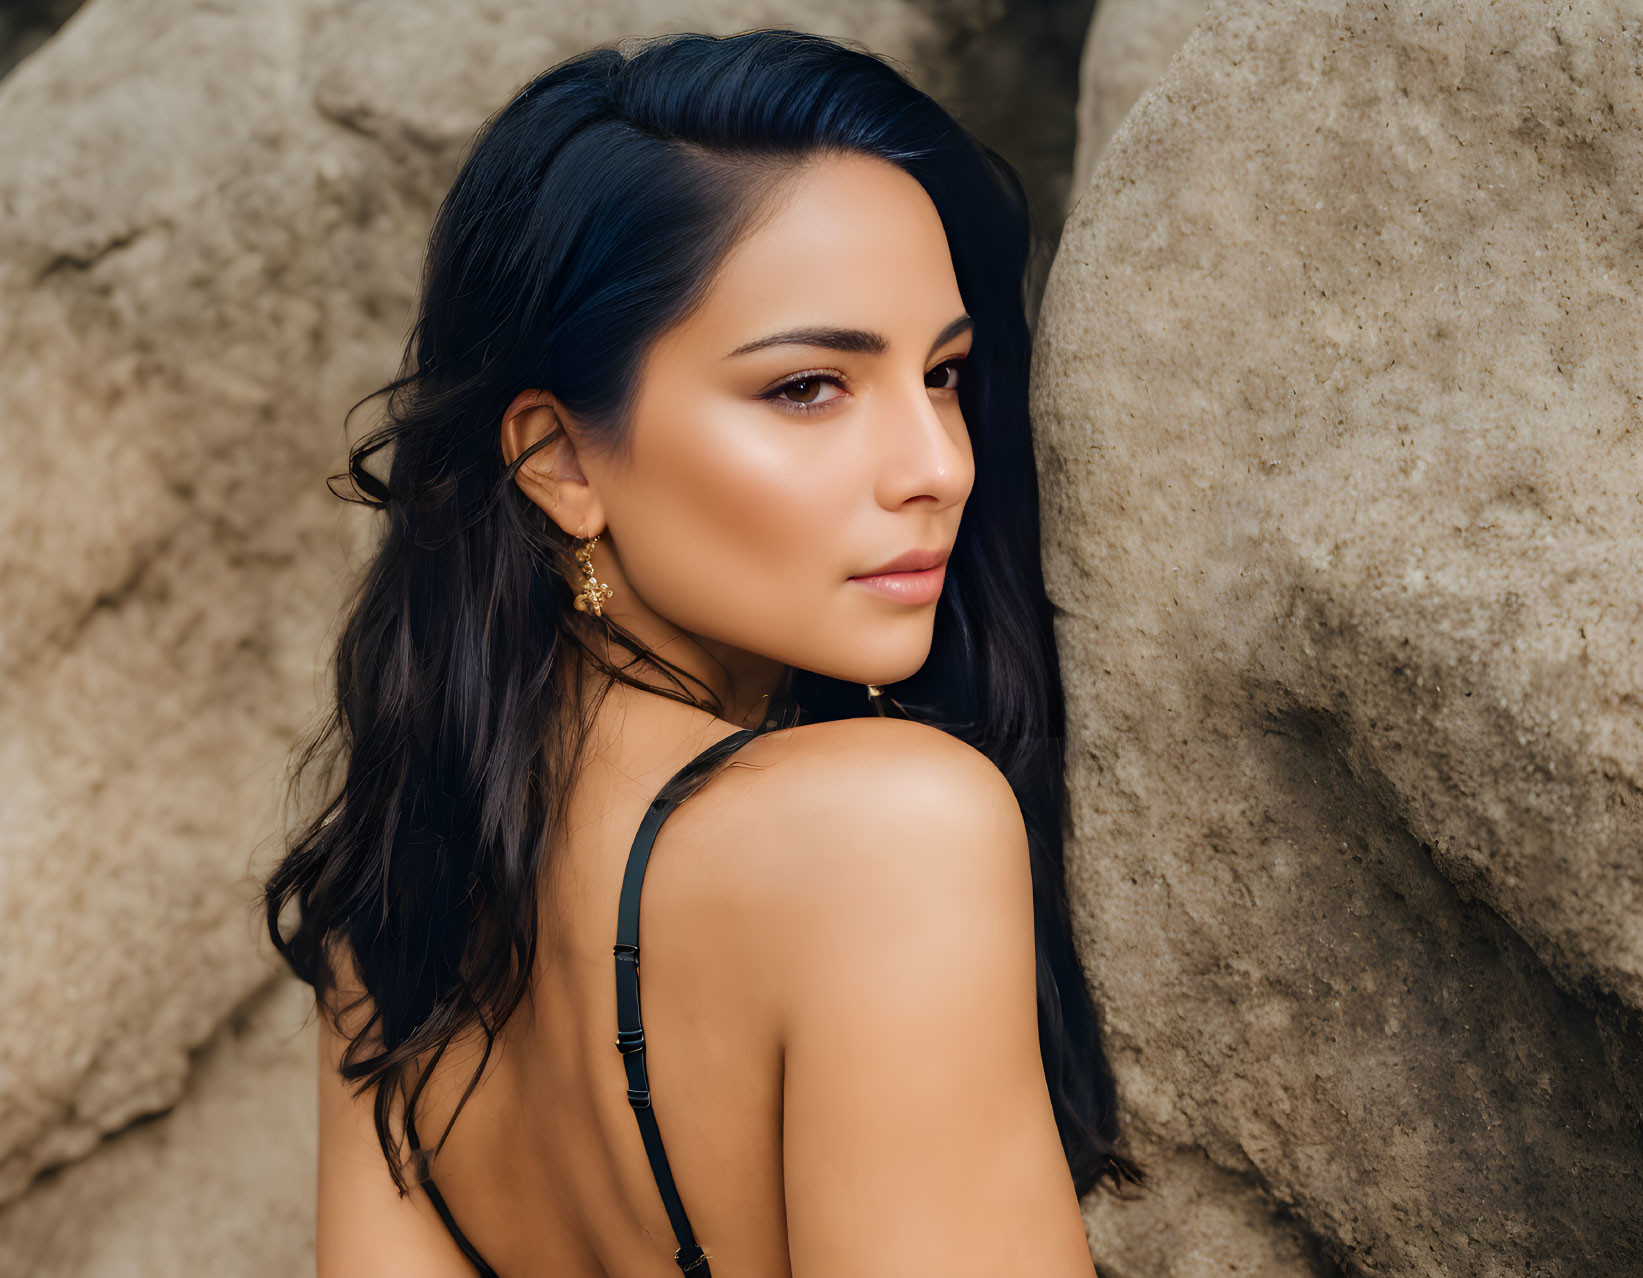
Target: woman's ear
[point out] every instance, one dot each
(552, 476)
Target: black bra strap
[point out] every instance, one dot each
(630, 1034)
(438, 1200)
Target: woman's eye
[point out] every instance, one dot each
(801, 394)
(805, 389)
(952, 366)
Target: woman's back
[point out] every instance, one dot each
(545, 1171)
(839, 1022)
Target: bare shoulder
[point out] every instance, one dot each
(897, 939)
(859, 823)
(816, 831)
(849, 790)
(826, 825)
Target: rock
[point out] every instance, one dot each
(1127, 47)
(1195, 1219)
(1337, 394)
(221, 1185)
(27, 24)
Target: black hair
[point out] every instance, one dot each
(588, 218)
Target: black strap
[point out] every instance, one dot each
(438, 1200)
(630, 1033)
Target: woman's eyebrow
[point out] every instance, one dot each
(854, 341)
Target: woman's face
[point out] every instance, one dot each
(799, 430)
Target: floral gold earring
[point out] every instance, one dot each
(594, 592)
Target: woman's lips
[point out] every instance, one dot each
(907, 587)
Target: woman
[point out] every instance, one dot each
(721, 347)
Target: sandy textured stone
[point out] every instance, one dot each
(27, 24)
(1338, 391)
(221, 1185)
(1127, 47)
(211, 221)
(1195, 1219)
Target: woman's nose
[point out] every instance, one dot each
(927, 448)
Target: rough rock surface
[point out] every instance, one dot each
(27, 24)
(1338, 395)
(213, 218)
(221, 1185)
(1127, 47)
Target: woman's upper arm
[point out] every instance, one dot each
(363, 1227)
(918, 1135)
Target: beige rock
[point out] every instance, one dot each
(1196, 1219)
(221, 1185)
(1127, 47)
(1338, 397)
(213, 218)
(27, 24)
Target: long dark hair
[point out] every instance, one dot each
(586, 220)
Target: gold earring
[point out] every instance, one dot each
(594, 592)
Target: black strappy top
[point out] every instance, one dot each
(630, 1034)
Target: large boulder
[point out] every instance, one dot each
(1338, 399)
